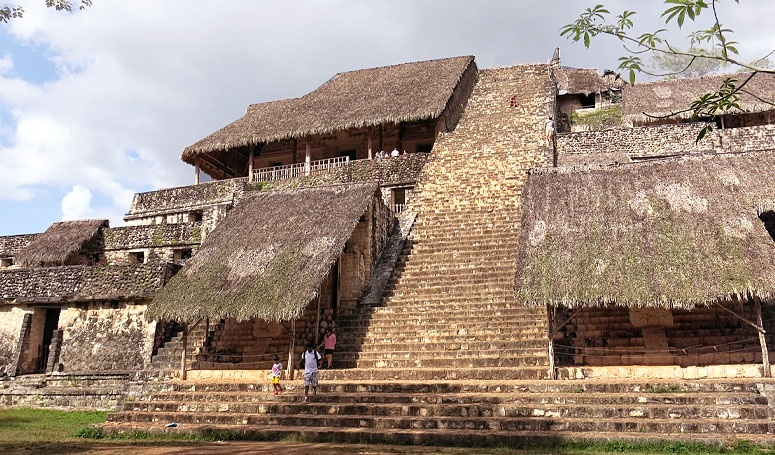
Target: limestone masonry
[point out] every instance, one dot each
(467, 277)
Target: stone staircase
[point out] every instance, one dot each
(446, 356)
(463, 412)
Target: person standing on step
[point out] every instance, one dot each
(277, 369)
(310, 359)
(329, 342)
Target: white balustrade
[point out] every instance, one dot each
(289, 171)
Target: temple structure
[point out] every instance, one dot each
(622, 251)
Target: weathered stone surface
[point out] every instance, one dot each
(131, 237)
(12, 244)
(103, 337)
(82, 283)
(11, 318)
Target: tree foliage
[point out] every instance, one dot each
(8, 12)
(707, 47)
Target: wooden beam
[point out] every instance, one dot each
(766, 371)
(550, 335)
(368, 144)
(317, 321)
(560, 326)
(292, 348)
(217, 163)
(307, 158)
(250, 162)
(758, 327)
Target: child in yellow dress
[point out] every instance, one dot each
(277, 369)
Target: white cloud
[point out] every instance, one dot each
(76, 204)
(143, 78)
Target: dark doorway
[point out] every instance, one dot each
(350, 153)
(49, 326)
(335, 286)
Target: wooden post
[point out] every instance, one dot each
(550, 335)
(291, 349)
(196, 174)
(250, 162)
(762, 340)
(317, 322)
(307, 159)
(183, 355)
(368, 144)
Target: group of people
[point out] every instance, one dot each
(311, 361)
(381, 154)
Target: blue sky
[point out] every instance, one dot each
(98, 105)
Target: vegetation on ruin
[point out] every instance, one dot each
(599, 119)
(714, 44)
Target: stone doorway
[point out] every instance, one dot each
(50, 323)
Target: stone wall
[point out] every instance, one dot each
(12, 244)
(81, 283)
(746, 139)
(622, 144)
(636, 142)
(184, 198)
(105, 337)
(616, 336)
(11, 318)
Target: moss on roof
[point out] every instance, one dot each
(671, 233)
(268, 257)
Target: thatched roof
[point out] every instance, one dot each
(59, 241)
(668, 96)
(677, 232)
(80, 283)
(355, 99)
(572, 81)
(268, 257)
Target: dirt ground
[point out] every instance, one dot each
(237, 448)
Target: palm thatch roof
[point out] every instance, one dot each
(355, 99)
(269, 256)
(572, 81)
(59, 241)
(671, 233)
(662, 98)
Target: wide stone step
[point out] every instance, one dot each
(436, 374)
(379, 327)
(471, 410)
(465, 310)
(440, 437)
(486, 423)
(447, 362)
(425, 354)
(460, 336)
(293, 394)
(473, 346)
(498, 386)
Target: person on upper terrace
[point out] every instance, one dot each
(395, 152)
(549, 129)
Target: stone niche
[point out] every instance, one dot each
(105, 337)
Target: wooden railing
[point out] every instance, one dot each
(398, 208)
(289, 171)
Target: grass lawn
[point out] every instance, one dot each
(45, 431)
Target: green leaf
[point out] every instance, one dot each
(632, 76)
(586, 39)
